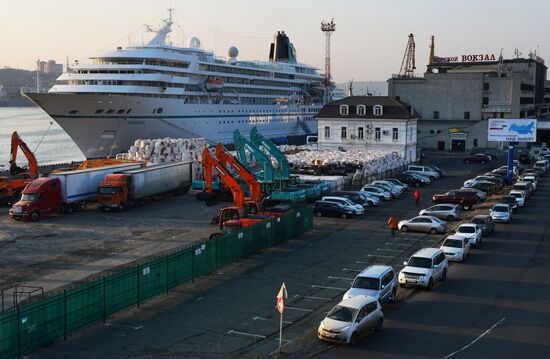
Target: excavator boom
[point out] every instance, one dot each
(252, 183)
(260, 141)
(17, 142)
(242, 144)
(209, 163)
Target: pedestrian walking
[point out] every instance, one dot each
(392, 224)
(417, 197)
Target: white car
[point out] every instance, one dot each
(396, 191)
(377, 281)
(350, 319)
(424, 268)
(530, 179)
(383, 195)
(501, 213)
(425, 171)
(471, 232)
(370, 198)
(520, 197)
(346, 202)
(456, 248)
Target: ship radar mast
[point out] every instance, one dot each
(165, 29)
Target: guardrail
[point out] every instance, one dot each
(32, 326)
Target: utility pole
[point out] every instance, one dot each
(328, 28)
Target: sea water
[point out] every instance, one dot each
(49, 143)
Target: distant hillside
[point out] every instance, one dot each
(376, 88)
(13, 79)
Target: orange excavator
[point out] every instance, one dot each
(11, 187)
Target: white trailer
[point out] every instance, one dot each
(81, 185)
(157, 179)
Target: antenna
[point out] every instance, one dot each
(408, 64)
(328, 28)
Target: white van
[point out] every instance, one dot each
(425, 171)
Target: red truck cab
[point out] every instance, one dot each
(39, 198)
(113, 192)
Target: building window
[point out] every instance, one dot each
(466, 115)
(485, 86)
(377, 110)
(502, 115)
(360, 133)
(377, 133)
(395, 134)
(361, 110)
(432, 131)
(436, 115)
(475, 142)
(327, 132)
(344, 132)
(486, 100)
(344, 110)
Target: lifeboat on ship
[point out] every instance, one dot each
(214, 84)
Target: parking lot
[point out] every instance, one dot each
(498, 289)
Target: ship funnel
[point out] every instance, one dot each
(281, 49)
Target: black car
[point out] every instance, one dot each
(355, 197)
(509, 200)
(499, 182)
(331, 209)
(486, 187)
(486, 224)
(409, 179)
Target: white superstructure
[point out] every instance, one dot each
(159, 90)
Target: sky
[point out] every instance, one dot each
(368, 44)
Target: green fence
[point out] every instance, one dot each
(27, 328)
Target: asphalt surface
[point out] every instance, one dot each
(231, 314)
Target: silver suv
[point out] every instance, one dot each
(424, 268)
(377, 281)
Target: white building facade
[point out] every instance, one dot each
(368, 123)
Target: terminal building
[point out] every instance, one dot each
(368, 123)
(457, 95)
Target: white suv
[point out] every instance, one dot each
(425, 171)
(471, 232)
(424, 268)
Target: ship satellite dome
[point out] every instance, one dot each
(233, 52)
(194, 43)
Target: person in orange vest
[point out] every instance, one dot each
(417, 197)
(392, 223)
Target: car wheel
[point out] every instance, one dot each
(432, 178)
(404, 228)
(444, 275)
(433, 231)
(379, 325)
(450, 218)
(430, 284)
(467, 161)
(393, 296)
(353, 339)
(466, 206)
(344, 216)
(35, 216)
(482, 162)
(371, 204)
(382, 198)
(319, 214)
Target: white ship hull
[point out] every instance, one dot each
(115, 129)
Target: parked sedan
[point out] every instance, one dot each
(448, 212)
(481, 196)
(386, 187)
(437, 169)
(331, 209)
(501, 213)
(398, 183)
(477, 158)
(382, 194)
(346, 202)
(353, 196)
(484, 186)
(456, 248)
(389, 184)
(428, 224)
(410, 180)
(509, 200)
(485, 223)
(424, 178)
(519, 196)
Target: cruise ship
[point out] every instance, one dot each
(158, 90)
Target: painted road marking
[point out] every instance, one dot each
(323, 287)
(361, 262)
(398, 244)
(351, 270)
(389, 250)
(379, 256)
(124, 326)
(270, 320)
(246, 334)
(300, 309)
(305, 296)
(342, 278)
(476, 339)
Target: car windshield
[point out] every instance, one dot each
(521, 187)
(453, 243)
(420, 262)
(30, 197)
(342, 314)
(500, 209)
(107, 190)
(466, 229)
(478, 221)
(517, 195)
(366, 283)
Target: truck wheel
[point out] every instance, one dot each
(35, 216)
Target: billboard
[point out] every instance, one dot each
(512, 130)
